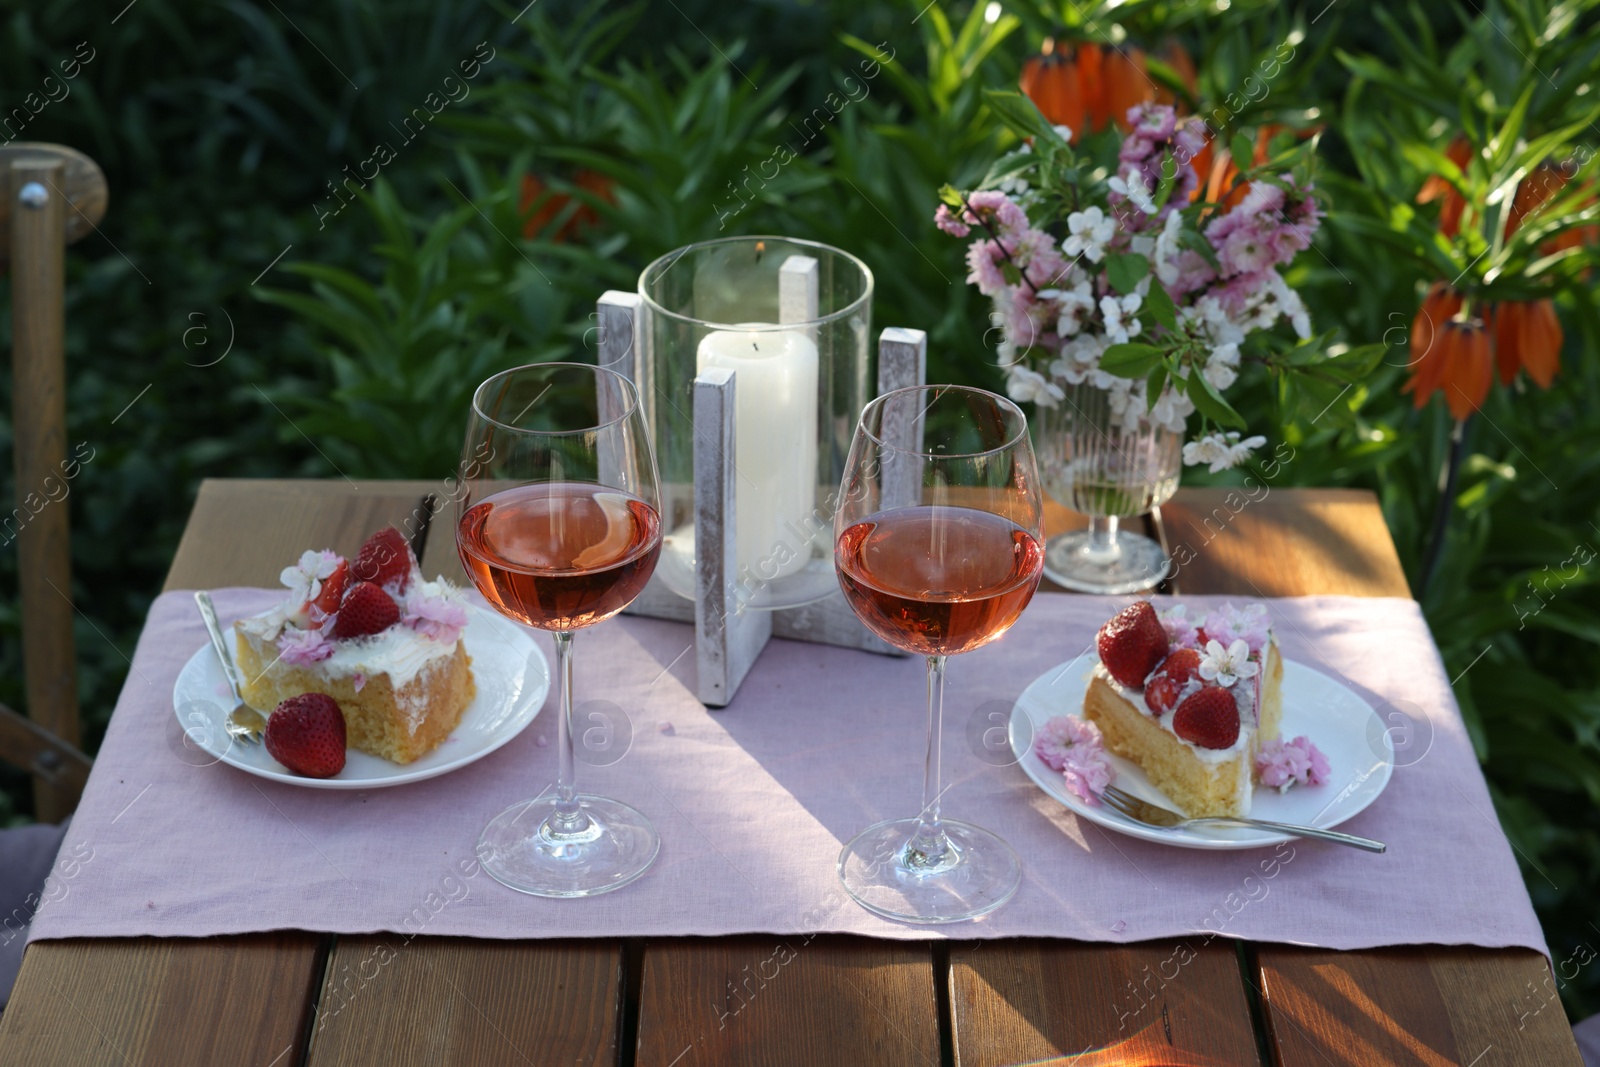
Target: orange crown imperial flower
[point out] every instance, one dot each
(533, 186)
(1459, 356)
(1436, 188)
(1546, 181)
(1452, 354)
(1527, 336)
(1087, 86)
(1427, 341)
(1051, 80)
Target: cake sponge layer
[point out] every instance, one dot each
(1271, 716)
(1196, 787)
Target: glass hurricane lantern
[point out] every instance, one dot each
(791, 318)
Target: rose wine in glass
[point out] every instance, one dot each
(938, 581)
(939, 548)
(560, 556)
(558, 526)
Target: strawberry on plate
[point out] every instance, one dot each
(306, 734)
(385, 561)
(1208, 718)
(366, 610)
(1132, 643)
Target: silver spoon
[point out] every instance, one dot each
(244, 723)
(1142, 811)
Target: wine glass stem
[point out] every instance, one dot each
(568, 818)
(927, 848)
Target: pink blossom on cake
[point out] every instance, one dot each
(1282, 764)
(301, 648)
(439, 616)
(1181, 630)
(1060, 735)
(1249, 624)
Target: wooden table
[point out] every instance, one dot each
(841, 1001)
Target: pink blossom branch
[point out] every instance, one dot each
(970, 211)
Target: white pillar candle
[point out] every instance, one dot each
(775, 416)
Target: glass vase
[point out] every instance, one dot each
(1093, 462)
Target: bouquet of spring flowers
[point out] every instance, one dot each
(1119, 275)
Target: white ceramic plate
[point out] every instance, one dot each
(512, 680)
(1359, 750)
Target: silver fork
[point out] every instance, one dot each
(244, 723)
(1142, 811)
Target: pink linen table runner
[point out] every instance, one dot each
(753, 802)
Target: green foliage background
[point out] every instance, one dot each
(220, 126)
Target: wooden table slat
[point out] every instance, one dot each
(1429, 1005)
(1300, 542)
(1030, 1001)
(387, 1002)
(244, 532)
(212, 1002)
(773, 1000)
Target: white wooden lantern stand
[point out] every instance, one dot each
(728, 635)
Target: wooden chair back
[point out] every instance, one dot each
(50, 196)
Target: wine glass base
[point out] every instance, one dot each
(517, 851)
(1135, 563)
(982, 874)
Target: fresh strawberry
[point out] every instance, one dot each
(333, 587)
(306, 735)
(1208, 718)
(385, 561)
(1183, 664)
(366, 610)
(1162, 692)
(1132, 643)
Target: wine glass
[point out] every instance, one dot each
(938, 547)
(558, 525)
(1099, 466)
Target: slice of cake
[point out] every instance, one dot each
(1190, 701)
(371, 634)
